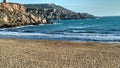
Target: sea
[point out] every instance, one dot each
(101, 29)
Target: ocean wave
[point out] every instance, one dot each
(2, 29)
(74, 27)
(89, 36)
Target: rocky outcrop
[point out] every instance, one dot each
(55, 12)
(12, 14)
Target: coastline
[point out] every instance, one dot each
(43, 53)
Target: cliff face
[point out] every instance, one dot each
(12, 15)
(55, 12)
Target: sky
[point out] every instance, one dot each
(95, 7)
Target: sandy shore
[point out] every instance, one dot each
(16, 53)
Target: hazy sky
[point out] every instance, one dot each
(95, 7)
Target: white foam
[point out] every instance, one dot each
(20, 34)
(23, 26)
(3, 28)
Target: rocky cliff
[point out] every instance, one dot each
(55, 12)
(12, 14)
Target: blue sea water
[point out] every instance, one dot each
(103, 29)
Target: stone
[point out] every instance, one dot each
(5, 19)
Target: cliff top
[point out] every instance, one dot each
(12, 7)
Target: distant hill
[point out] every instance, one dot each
(55, 12)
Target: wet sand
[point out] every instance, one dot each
(15, 53)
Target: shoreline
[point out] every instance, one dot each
(65, 41)
(55, 54)
(25, 39)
